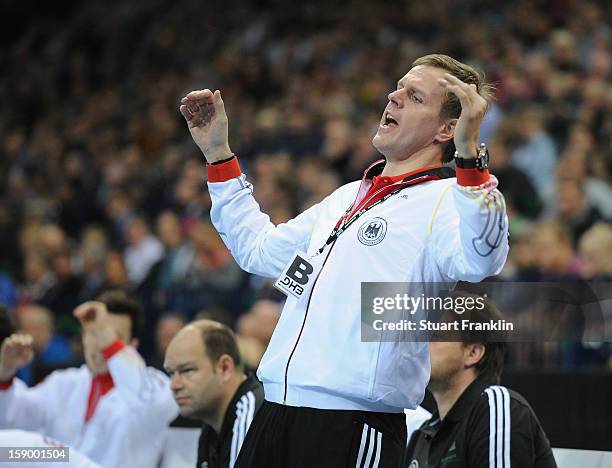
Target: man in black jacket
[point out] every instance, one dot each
(478, 423)
(209, 384)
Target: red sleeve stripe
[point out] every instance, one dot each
(224, 171)
(471, 177)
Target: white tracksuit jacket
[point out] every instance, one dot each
(128, 427)
(437, 231)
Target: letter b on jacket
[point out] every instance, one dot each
(295, 277)
(299, 270)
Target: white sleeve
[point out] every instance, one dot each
(256, 244)
(142, 387)
(27, 408)
(470, 232)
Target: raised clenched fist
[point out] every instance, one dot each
(93, 316)
(205, 114)
(16, 352)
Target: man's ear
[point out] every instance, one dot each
(474, 353)
(225, 367)
(446, 132)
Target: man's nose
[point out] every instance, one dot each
(176, 382)
(395, 97)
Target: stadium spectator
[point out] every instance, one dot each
(595, 252)
(113, 409)
(478, 423)
(521, 197)
(143, 251)
(574, 209)
(553, 252)
(176, 258)
(51, 351)
(116, 275)
(536, 155)
(92, 253)
(209, 384)
(168, 325)
(259, 322)
(597, 191)
(255, 328)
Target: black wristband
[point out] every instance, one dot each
(222, 161)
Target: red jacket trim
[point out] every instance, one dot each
(471, 177)
(7, 384)
(113, 349)
(224, 171)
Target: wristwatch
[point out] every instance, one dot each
(479, 162)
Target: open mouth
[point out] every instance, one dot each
(389, 121)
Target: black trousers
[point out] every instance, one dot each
(289, 437)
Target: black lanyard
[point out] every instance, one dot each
(344, 223)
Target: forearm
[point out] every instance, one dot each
(125, 366)
(140, 386)
(471, 238)
(255, 243)
(218, 155)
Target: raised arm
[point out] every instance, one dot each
(20, 407)
(144, 389)
(256, 244)
(470, 233)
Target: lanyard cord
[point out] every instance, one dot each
(344, 223)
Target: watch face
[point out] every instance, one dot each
(485, 159)
(481, 161)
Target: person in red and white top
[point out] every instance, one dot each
(114, 409)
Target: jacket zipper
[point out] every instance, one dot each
(304, 323)
(312, 291)
(310, 297)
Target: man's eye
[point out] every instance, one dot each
(415, 98)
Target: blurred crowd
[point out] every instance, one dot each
(103, 187)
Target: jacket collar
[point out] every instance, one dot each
(376, 168)
(468, 398)
(460, 409)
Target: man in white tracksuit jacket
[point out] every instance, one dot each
(333, 400)
(114, 410)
